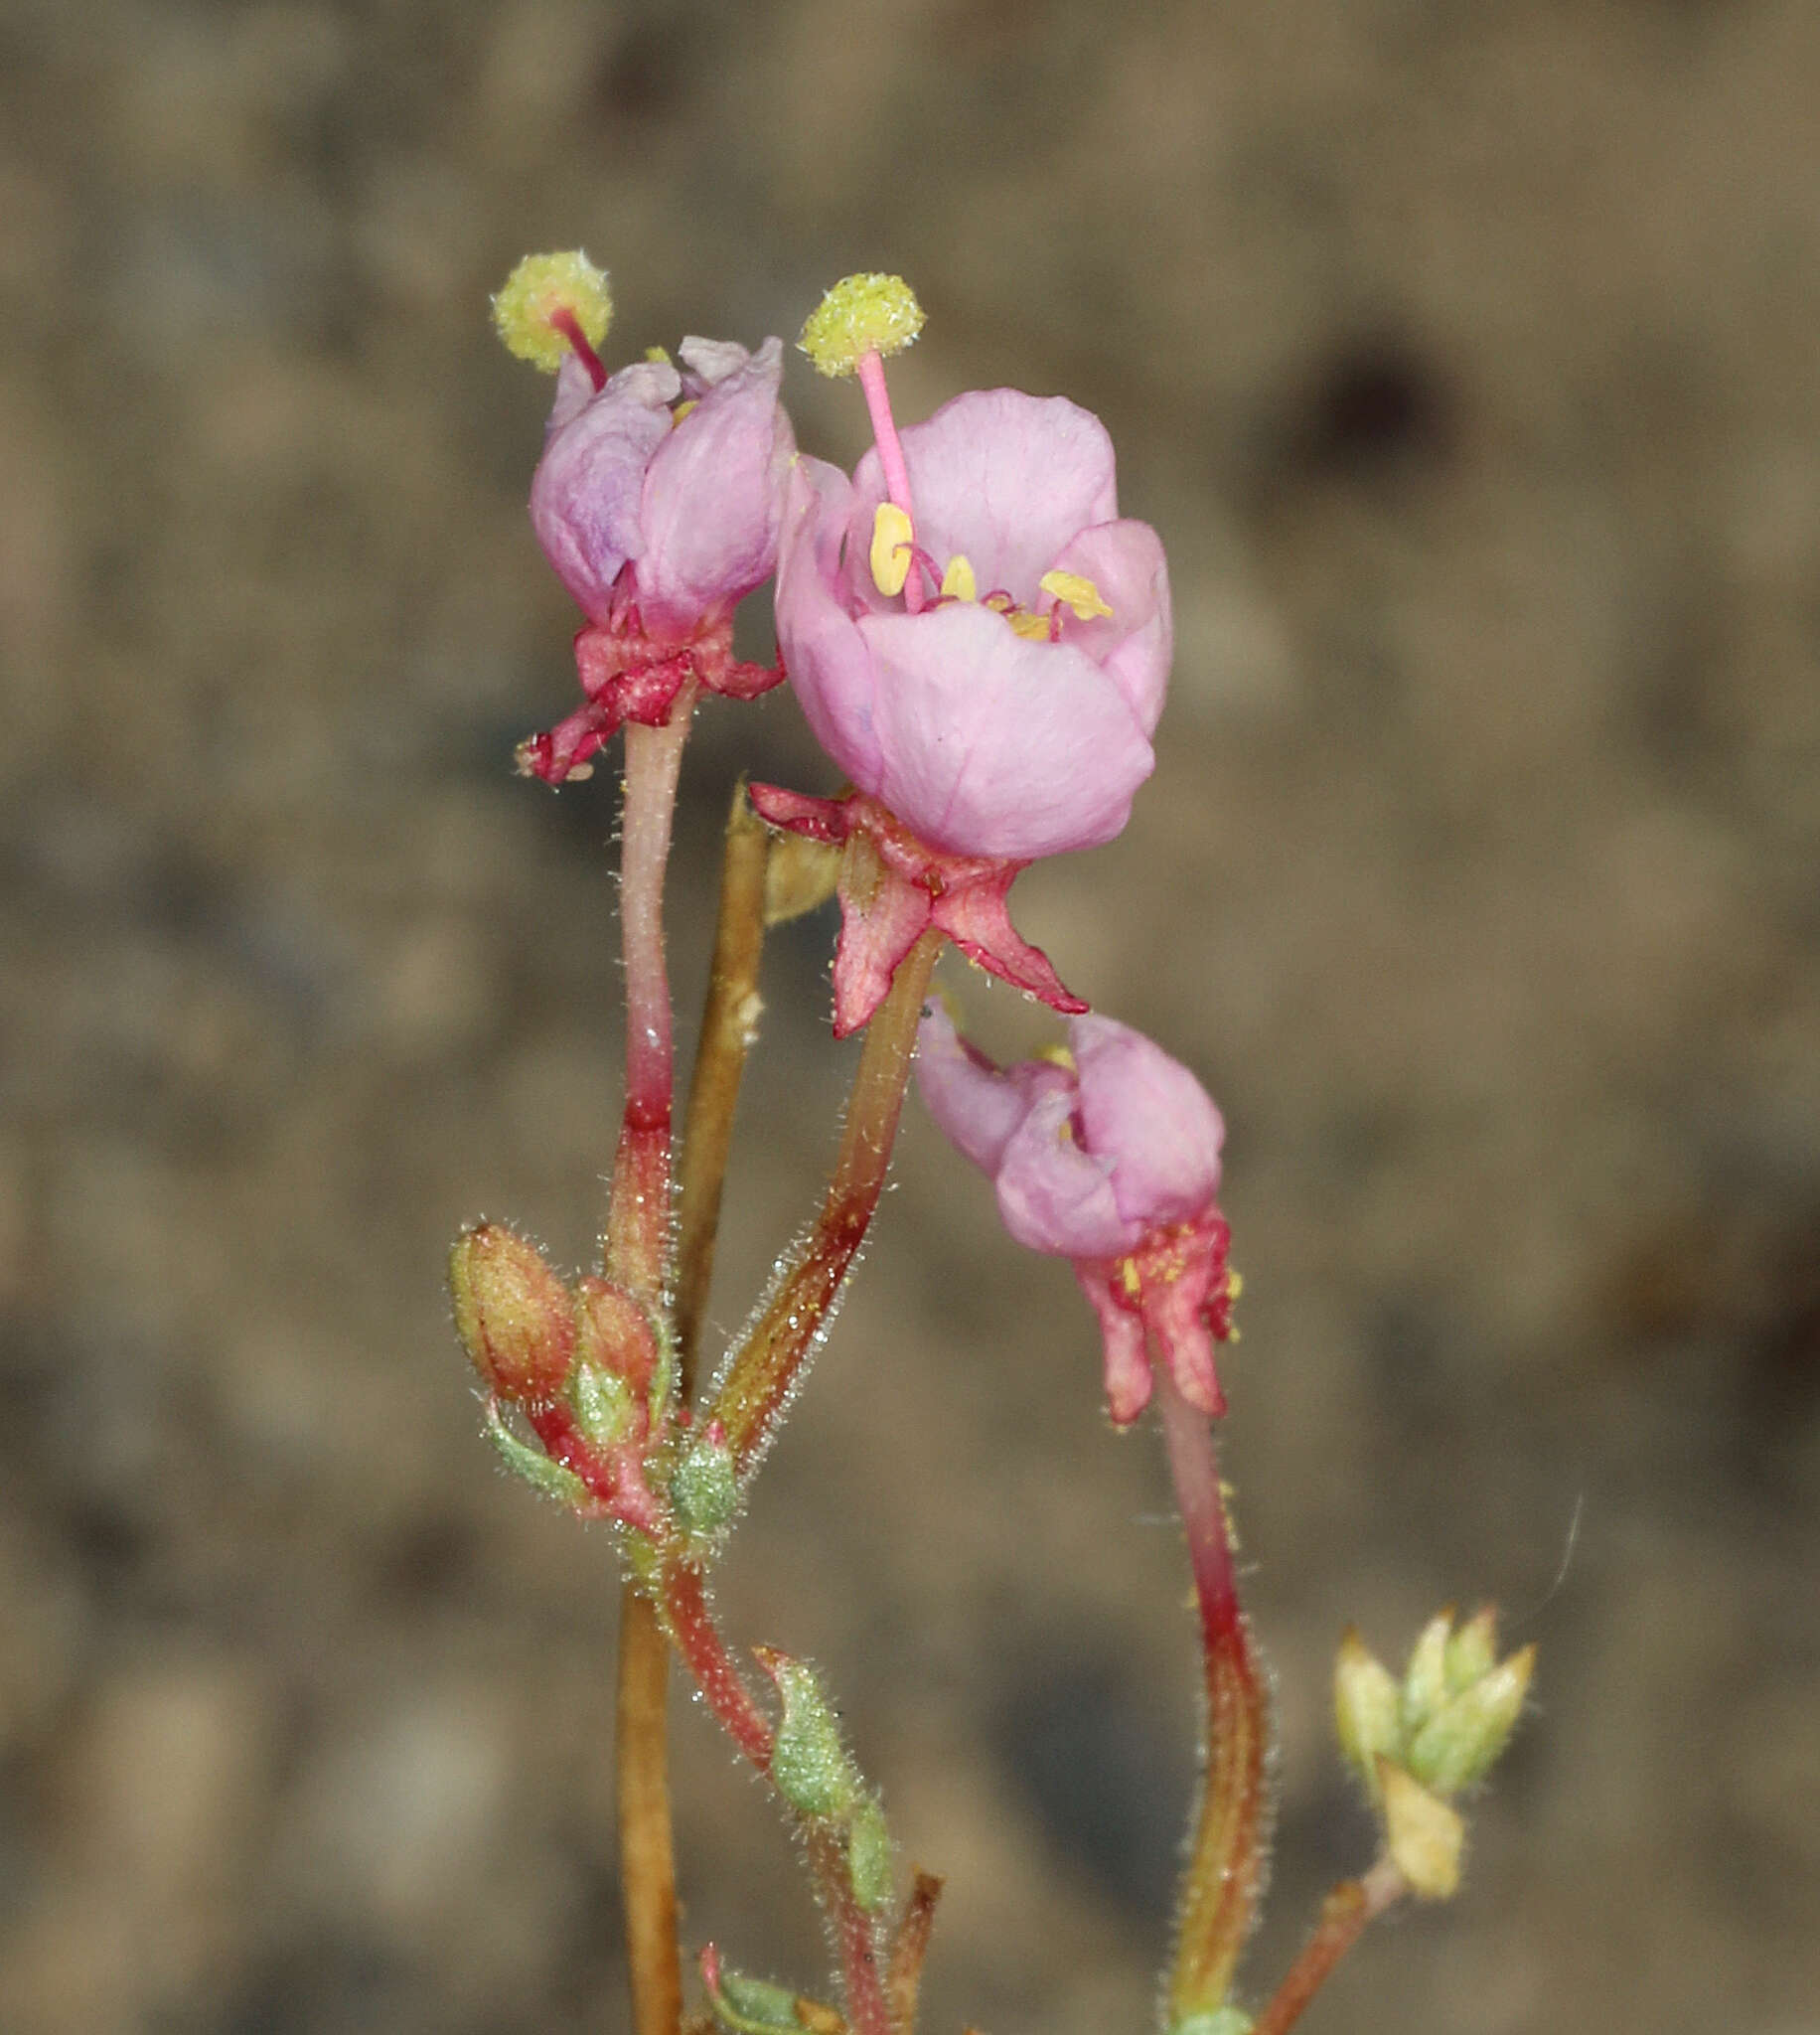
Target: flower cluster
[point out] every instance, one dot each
(981, 645)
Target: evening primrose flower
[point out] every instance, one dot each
(1110, 1157)
(658, 500)
(980, 643)
(1009, 713)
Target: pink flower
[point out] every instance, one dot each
(1011, 716)
(1113, 1162)
(658, 500)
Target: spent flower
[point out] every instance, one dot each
(1110, 1157)
(658, 501)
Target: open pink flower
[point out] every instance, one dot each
(1007, 708)
(1113, 1162)
(658, 500)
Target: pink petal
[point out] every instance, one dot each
(586, 494)
(1148, 1118)
(713, 495)
(990, 745)
(1054, 1197)
(1006, 478)
(1136, 643)
(977, 1104)
(831, 664)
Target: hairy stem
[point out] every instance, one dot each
(1344, 1915)
(856, 1936)
(637, 1245)
(729, 1020)
(1224, 1879)
(765, 1368)
(638, 1214)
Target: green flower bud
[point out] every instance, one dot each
(813, 1769)
(613, 1333)
(1424, 1681)
(513, 1314)
(1473, 1650)
(868, 1856)
(1366, 1703)
(754, 2004)
(1424, 1836)
(705, 1489)
(1459, 1743)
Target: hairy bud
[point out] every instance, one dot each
(513, 1314)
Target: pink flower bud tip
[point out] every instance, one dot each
(1111, 1161)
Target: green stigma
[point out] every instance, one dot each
(860, 315)
(543, 292)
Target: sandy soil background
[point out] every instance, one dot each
(1466, 358)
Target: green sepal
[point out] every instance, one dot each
(754, 2006)
(534, 1466)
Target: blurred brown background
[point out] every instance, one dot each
(1466, 356)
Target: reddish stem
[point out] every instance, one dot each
(766, 1366)
(856, 1936)
(1344, 1915)
(1224, 1879)
(638, 1215)
(698, 1638)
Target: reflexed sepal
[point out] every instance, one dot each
(535, 1467)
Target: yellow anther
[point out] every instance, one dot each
(1057, 1056)
(1074, 591)
(957, 582)
(891, 547)
(1035, 627)
(542, 286)
(1128, 1278)
(860, 315)
(658, 356)
(682, 409)
(1234, 1285)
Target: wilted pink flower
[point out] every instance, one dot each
(1114, 1161)
(1005, 707)
(658, 501)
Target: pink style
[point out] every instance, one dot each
(658, 500)
(1114, 1162)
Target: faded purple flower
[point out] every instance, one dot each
(1112, 1160)
(658, 500)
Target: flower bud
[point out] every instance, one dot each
(1459, 1743)
(1473, 1651)
(812, 1768)
(868, 1856)
(1423, 1834)
(1424, 1681)
(614, 1335)
(705, 1489)
(513, 1314)
(1365, 1706)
